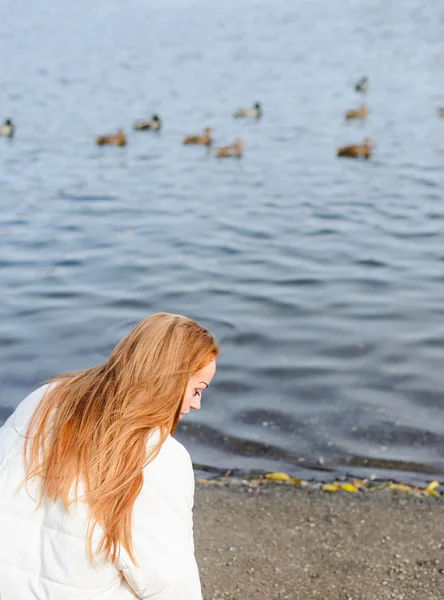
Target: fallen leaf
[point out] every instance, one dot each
(349, 487)
(331, 487)
(278, 476)
(377, 488)
(360, 483)
(431, 488)
(298, 481)
(400, 487)
(206, 481)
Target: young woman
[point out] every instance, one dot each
(96, 496)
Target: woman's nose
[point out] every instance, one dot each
(196, 404)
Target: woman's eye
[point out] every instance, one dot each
(196, 393)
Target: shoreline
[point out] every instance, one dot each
(277, 540)
(348, 483)
(322, 473)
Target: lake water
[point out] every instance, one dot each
(322, 277)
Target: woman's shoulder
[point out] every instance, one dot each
(172, 453)
(24, 411)
(172, 468)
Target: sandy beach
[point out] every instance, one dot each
(285, 542)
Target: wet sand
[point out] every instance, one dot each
(283, 542)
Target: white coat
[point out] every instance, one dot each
(43, 552)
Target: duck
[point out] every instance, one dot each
(363, 150)
(254, 112)
(362, 85)
(359, 113)
(8, 128)
(155, 123)
(205, 139)
(236, 150)
(112, 140)
(441, 113)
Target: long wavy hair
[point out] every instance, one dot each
(91, 427)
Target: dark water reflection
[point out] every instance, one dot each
(322, 278)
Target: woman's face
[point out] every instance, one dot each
(197, 384)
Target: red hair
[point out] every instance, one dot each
(92, 426)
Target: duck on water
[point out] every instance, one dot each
(363, 150)
(236, 150)
(154, 124)
(205, 139)
(8, 128)
(253, 112)
(362, 85)
(119, 139)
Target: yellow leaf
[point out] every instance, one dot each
(278, 476)
(331, 487)
(400, 487)
(431, 488)
(432, 485)
(349, 487)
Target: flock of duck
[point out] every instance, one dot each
(363, 150)
(236, 149)
(155, 124)
(204, 139)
